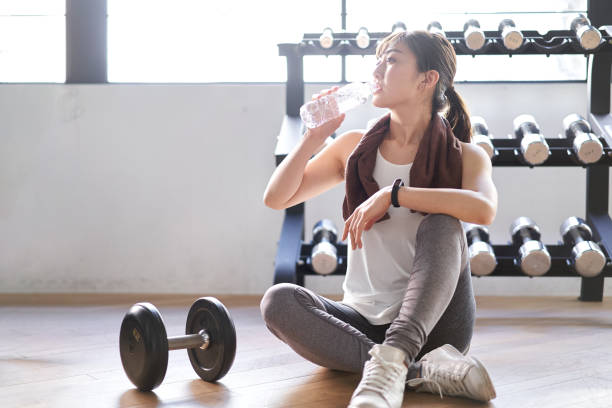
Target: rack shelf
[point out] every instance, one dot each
(293, 256)
(553, 42)
(505, 255)
(507, 153)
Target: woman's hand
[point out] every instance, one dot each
(364, 216)
(320, 133)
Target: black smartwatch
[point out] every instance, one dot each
(396, 185)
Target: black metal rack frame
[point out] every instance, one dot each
(293, 257)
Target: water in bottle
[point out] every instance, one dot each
(328, 107)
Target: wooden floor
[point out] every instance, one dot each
(62, 351)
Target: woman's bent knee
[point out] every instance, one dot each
(436, 220)
(275, 301)
(439, 224)
(286, 298)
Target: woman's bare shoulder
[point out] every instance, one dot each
(474, 157)
(466, 146)
(472, 151)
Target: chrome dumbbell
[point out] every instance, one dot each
(534, 147)
(326, 40)
(436, 28)
(473, 35)
(324, 255)
(587, 258)
(482, 256)
(586, 144)
(481, 136)
(533, 257)
(588, 36)
(363, 38)
(512, 37)
(398, 27)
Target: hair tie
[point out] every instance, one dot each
(450, 89)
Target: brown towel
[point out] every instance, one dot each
(437, 163)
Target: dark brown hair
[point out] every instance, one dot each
(434, 52)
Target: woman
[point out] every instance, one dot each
(407, 314)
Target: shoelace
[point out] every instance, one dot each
(423, 381)
(378, 375)
(432, 377)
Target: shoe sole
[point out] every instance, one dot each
(490, 394)
(490, 389)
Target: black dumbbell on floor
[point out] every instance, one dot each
(210, 341)
(482, 256)
(587, 258)
(532, 256)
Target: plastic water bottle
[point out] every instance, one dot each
(328, 107)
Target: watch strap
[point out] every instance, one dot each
(396, 186)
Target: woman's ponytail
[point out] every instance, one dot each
(458, 116)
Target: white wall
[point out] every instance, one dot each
(158, 188)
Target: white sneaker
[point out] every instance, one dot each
(383, 381)
(446, 370)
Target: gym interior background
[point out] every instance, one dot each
(123, 187)
(145, 186)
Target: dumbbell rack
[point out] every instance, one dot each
(293, 257)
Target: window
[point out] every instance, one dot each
(32, 41)
(204, 41)
(541, 15)
(236, 41)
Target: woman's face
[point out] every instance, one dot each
(398, 79)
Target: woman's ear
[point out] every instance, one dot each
(430, 79)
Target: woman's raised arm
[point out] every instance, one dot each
(300, 177)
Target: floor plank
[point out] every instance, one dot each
(62, 351)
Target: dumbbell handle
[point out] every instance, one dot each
(188, 341)
(477, 235)
(528, 234)
(576, 236)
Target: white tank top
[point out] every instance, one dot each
(377, 274)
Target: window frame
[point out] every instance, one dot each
(87, 51)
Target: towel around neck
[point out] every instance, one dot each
(437, 163)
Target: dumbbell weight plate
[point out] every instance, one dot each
(143, 345)
(588, 150)
(513, 39)
(210, 315)
(474, 39)
(534, 149)
(589, 259)
(325, 258)
(535, 259)
(482, 260)
(590, 37)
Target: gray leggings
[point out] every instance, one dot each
(438, 307)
